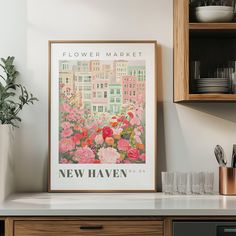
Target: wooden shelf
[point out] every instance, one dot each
(212, 97)
(203, 42)
(212, 26)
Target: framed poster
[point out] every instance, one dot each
(102, 124)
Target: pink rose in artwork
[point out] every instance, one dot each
(138, 139)
(142, 157)
(99, 139)
(71, 117)
(137, 133)
(135, 121)
(84, 155)
(123, 145)
(66, 145)
(130, 114)
(107, 132)
(84, 160)
(65, 107)
(108, 155)
(66, 133)
(65, 125)
(133, 153)
(64, 161)
(127, 161)
(141, 128)
(77, 137)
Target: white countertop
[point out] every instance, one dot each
(117, 204)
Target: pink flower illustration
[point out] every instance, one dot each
(138, 139)
(66, 133)
(65, 107)
(137, 132)
(99, 139)
(66, 145)
(65, 125)
(84, 160)
(133, 153)
(107, 132)
(108, 155)
(130, 114)
(71, 117)
(142, 157)
(139, 111)
(135, 121)
(123, 145)
(77, 137)
(84, 155)
(64, 161)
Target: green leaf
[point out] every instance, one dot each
(9, 108)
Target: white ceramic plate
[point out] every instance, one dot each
(210, 14)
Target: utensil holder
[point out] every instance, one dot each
(227, 180)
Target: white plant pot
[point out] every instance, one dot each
(6, 161)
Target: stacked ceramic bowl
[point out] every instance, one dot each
(213, 85)
(214, 14)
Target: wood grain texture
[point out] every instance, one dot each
(181, 49)
(213, 97)
(209, 26)
(167, 227)
(9, 227)
(73, 228)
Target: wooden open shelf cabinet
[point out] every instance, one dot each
(182, 29)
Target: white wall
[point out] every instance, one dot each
(187, 133)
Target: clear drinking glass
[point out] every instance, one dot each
(167, 182)
(195, 183)
(201, 182)
(189, 184)
(195, 69)
(175, 183)
(209, 182)
(182, 183)
(232, 74)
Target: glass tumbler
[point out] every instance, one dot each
(182, 183)
(167, 182)
(209, 182)
(195, 183)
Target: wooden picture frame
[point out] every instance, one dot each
(102, 116)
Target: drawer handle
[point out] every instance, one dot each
(229, 230)
(91, 227)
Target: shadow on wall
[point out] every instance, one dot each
(161, 153)
(225, 111)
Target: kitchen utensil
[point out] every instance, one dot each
(214, 13)
(233, 162)
(220, 155)
(227, 180)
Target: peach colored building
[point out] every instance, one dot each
(132, 90)
(66, 78)
(129, 89)
(120, 68)
(83, 84)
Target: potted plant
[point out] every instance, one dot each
(13, 97)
